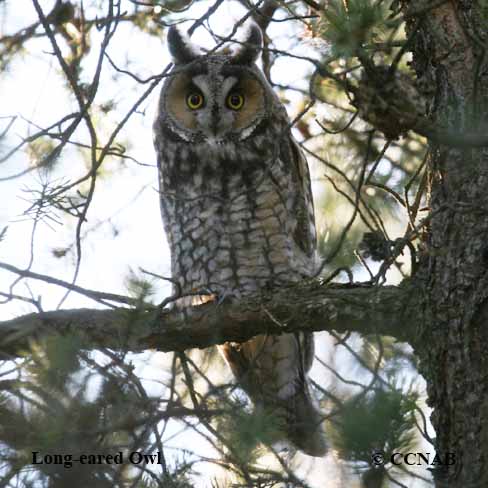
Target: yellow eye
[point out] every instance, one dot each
(194, 101)
(235, 101)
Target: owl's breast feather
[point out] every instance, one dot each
(236, 236)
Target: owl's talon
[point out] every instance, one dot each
(220, 299)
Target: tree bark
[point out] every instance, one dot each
(307, 306)
(450, 61)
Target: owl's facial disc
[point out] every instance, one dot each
(215, 108)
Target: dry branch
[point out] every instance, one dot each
(388, 310)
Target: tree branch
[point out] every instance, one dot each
(308, 306)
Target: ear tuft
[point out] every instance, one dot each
(251, 46)
(182, 50)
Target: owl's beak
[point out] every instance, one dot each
(215, 120)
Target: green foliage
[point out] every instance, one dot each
(41, 153)
(139, 287)
(349, 25)
(379, 420)
(168, 481)
(60, 405)
(248, 431)
(364, 178)
(58, 359)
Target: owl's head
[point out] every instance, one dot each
(215, 98)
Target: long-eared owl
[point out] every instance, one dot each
(238, 212)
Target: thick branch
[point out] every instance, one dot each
(309, 306)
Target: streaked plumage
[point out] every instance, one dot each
(238, 212)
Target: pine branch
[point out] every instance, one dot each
(308, 306)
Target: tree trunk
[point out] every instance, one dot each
(451, 65)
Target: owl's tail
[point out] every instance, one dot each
(304, 423)
(275, 361)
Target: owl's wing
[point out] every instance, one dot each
(304, 233)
